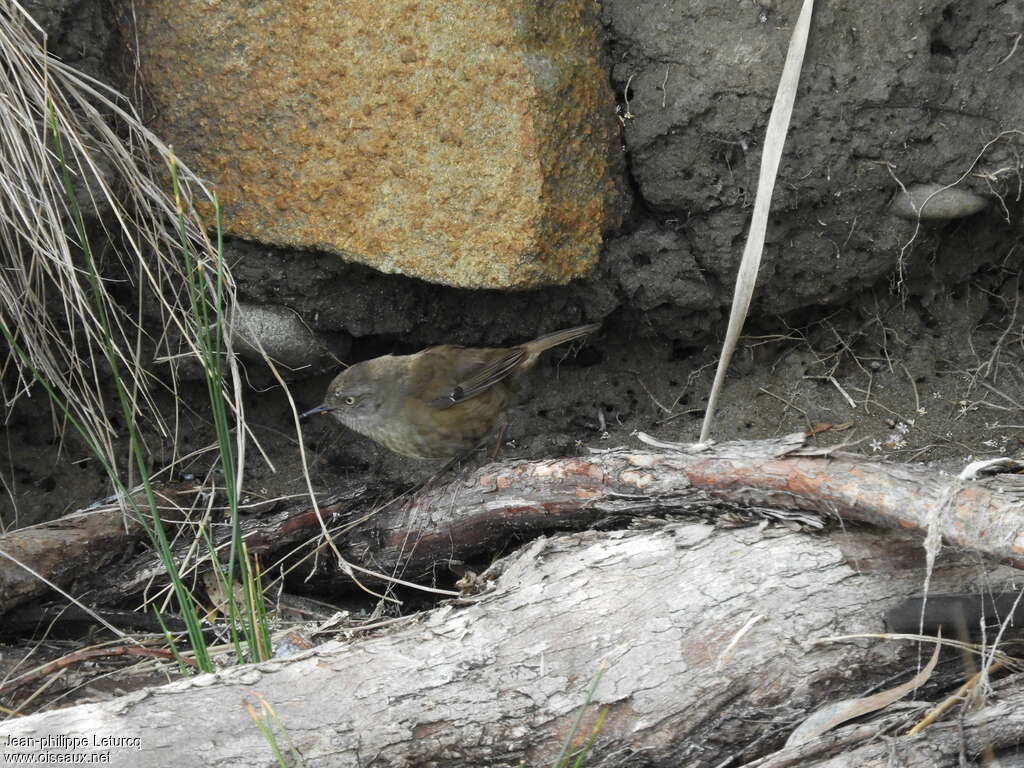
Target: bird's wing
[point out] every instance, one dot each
(472, 371)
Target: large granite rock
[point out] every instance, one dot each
(466, 144)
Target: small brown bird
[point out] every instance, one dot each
(437, 403)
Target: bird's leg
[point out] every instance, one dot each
(441, 471)
(378, 461)
(456, 459)
(497, 443)
(503, 422)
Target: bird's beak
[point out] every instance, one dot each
(314, 412)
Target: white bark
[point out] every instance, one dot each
(498, 679)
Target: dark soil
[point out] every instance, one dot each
(911, 380)
(916, 327)
(906, 342)
(909, 337)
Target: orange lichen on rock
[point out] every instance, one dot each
(465, 144)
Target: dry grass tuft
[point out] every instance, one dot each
(60, 317)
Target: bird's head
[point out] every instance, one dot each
(356, 397)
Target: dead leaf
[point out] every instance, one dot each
(831, 715)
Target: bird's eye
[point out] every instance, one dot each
(350, 400)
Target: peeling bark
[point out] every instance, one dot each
(78, 549)
(61, 552)
(475, 514)
(708, 635)
(994, 731)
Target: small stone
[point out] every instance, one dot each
(936, 202)
(284, 337)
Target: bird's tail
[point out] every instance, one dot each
(538, 345)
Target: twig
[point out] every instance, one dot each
(946, 705)
(651, 395)
(788, 403)
(1006, 58)
(832, 379)
(917, 400)
(84, 655)
(60, 591)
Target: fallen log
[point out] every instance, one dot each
(62, 551)
(476, 513)
(466, 517)
(78, 551)
(706, 637)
